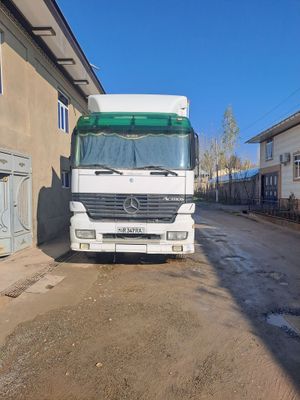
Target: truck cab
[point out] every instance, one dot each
(133, 161)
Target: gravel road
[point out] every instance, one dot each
(155, 329)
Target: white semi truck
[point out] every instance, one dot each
(133, 160)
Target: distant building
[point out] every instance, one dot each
(280, 163)
(45, 79)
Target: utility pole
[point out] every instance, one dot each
(217, 170)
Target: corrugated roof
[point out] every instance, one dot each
(238, 176)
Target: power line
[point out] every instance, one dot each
(284, 115)
(271, 110)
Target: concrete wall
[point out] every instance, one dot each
(242, 192)
(286, 142)
(29, 124)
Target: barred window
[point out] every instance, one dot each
(63, 112)
(65, 179)
(297, 166)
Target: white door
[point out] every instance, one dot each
(5, 215)
(22, 211)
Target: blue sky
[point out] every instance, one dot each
(216, 52)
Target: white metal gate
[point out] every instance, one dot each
(15, 202)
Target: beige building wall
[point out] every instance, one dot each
(29, 124)
(286, 142)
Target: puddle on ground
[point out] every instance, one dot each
(235, 257)
(277, 276)
(287, 321)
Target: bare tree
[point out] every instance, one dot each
(229, 140)
(247, 164)
(207, 162)
(219, 152)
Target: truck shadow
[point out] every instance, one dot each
(52, 209)
(112, 258)
(253, 298)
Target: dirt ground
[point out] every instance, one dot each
(160, 330)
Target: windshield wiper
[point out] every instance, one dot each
(160, 169)
(106, 167)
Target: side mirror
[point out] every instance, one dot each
(196, 155)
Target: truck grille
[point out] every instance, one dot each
(150, 207)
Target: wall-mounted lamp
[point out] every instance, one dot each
(80, 82)
(43, 31)
(65, 61)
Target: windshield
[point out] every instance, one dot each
(131, 151)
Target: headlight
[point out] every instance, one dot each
(177, 235)
(85, 233)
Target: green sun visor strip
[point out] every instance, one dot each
(133, 122)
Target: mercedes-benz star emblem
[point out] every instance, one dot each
(131, 205)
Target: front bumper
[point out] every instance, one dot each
(157, 245)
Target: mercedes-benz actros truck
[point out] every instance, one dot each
(133, 160)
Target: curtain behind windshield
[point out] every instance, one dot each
(135, 151)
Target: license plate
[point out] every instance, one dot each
(127, 229)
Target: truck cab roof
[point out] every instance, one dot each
(138, 103)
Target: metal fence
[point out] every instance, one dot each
(288, 209)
